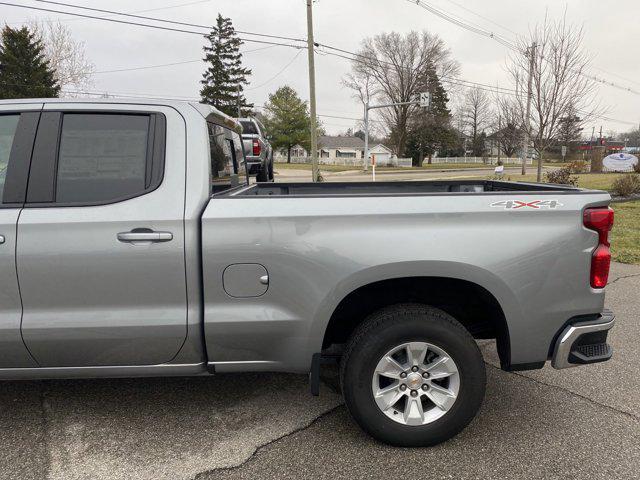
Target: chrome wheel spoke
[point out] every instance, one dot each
(388, 397)
(416, 352)
(413, 411)
(442, 367)
(389, 367)
(442, 397)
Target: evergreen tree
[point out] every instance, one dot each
(287, 120)
(569, 129)
(430, 129)
(24, 70)
(225, 78)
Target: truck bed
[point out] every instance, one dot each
(429, 187)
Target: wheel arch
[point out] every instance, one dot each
(440, 284)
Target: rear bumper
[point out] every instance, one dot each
(254, 164)
(584, 342)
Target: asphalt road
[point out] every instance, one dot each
(546, 424)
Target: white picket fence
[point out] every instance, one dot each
(354, 162)
(481, 160)
(406, 162)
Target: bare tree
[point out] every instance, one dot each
(397, 67)
(560, 85)
(509, 127)
(65, 54)
(476, 115)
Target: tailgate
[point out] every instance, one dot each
(247, 143)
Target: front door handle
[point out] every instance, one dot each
(144, 235)
(1, 239)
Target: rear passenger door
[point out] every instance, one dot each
(17, 130)
(100, 252)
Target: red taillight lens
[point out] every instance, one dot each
(600, 220)
(600, 263)
(256, 147)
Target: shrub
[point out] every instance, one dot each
(561, 176)
(578, 166)
(636, 167)
(626, 185)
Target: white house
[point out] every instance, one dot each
(383, 155)
(339, 150)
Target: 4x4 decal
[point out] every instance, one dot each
(519, 204)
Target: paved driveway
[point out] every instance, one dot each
(577, 423)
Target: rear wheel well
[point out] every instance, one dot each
(470, 304)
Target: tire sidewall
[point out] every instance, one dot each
(438, 330)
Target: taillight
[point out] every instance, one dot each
(256, 147)
(600, 219)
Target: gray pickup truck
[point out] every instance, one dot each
(132, 244)
(257, 149)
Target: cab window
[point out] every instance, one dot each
(8, 126)
(227, 159)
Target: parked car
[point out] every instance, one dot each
(132, 244)
(257, 149)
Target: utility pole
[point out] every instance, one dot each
(498, 136)
(527, 121)
(365, 161)
(423, 101)
(238, 100)
(312, 92)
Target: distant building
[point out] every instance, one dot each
(339, 147)
(338, 150)
(383, 155)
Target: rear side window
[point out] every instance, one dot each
(227, 159)
(101, 157)
(96, 158)
(8, 127)
(249, 127)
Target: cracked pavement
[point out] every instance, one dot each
(582, 422)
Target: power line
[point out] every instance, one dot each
(277, 74)
(442, 14)
(126, 22)
(167, 7)
(461, 23)
(159, 65)
(162, 20)
(483, 17)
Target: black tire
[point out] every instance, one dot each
(271, 178)
(262, 175)
(393, 326)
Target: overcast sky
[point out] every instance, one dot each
(612, 35)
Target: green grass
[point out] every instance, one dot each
(594, 181)
(625, 236)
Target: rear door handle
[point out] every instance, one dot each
(144, 235)
(1, 239)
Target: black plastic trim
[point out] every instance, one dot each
(317, 360)
(43, 176)
(519, 367)
(44, 159)
(15, 186)
(400, 189)
(595, 318)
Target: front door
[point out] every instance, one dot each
(100, 252)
